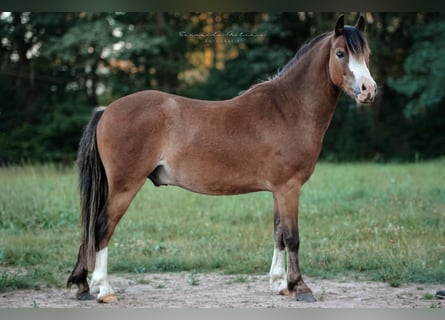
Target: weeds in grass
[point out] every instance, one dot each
(13, 281)
(194, 278)
(428, 296)
(238, 279)
(322, 294)
(395, 283)
(139, 278)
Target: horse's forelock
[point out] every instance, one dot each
(354, 40)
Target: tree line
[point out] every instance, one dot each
(56, 67)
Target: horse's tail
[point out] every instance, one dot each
(93, 187)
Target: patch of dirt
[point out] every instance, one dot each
(187, 290)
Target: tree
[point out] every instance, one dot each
(423, 81)
(156, 53)
(27, 82)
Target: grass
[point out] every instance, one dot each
(194, 278)
(368, 221)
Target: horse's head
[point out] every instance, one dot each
(349, 61)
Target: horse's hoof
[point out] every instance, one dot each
(109, 298)
(440, 294)
(305, 297)
(284, 292)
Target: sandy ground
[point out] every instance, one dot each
(173, 290)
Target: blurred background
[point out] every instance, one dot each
(56, 67)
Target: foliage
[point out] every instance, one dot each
(371, 221)
(257, 59)
(55, 67)
(424, 79)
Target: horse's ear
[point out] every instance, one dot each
(360, 24)
(339, 26)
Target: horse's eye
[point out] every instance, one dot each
(340, 54)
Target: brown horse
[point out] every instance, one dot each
(268, 138)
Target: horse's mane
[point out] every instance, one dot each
(304, 49)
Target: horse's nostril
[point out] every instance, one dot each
(363, 87)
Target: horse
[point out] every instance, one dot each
(268, 138)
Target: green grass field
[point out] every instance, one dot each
(381, 222)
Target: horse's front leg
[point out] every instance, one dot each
(277, 274)
(287, 200)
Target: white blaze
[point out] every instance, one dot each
(358, 68)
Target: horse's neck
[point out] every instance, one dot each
(308, 92)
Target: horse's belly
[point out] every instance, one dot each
(216, 180)
(218, 188)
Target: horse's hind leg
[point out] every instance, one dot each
(79, 277)
(120, 196)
